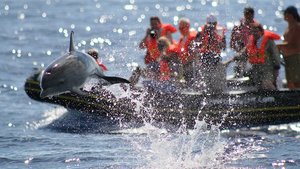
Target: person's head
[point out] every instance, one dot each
(257, 30)
(211, 21)
(163, 43)
(249, 14)
(155, 22)
(290, 13)
(184, 26)
(93, 52)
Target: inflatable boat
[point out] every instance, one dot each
(230, 109)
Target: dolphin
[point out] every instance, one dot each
(69, 72)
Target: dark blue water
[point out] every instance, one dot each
(39, 135)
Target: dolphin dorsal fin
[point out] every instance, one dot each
(71, 48)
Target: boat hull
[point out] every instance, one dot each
(233, 109)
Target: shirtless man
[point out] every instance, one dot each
(291, 47)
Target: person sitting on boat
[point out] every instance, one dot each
(149, 42)
(291, 47)
(94, 53)
(239, 39)
(185, 46)
(169, 66)
(264, 58)
(210, 41)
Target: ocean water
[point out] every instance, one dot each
(40, 135)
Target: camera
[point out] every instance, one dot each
(153, 33)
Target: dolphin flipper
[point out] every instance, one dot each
(114, 80)
(79, 91)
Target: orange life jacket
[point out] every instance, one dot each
(183, 47)
(256, 55)
(164, 68)
(242, 32)
(152, 50)
(167, 28)
(209, 44)
(151, 43)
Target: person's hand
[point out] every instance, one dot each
(148, 31)
(282, 47)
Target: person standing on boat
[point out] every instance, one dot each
(239, 39)
(149, 42)
(185, 48)
(210, 41)
(263, 55)
(94, 53)
(291, 47)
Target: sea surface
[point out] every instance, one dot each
(40, 135)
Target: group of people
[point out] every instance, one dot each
(197, 54)
(256, 46)
(167, 59)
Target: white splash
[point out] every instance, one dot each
(124, 91)
(197, 148)
(48, 117)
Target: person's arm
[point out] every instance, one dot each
(275, 58)
(169, 36)
(290, 44)
(234, 38)
(142, 44)
(282, 47)
(274, 54)
(223, 43)
(167, 30)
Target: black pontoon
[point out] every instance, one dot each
(232, 109)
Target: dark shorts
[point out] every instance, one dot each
(292, 68)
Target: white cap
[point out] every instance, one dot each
(211, 19)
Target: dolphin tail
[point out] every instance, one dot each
(114, 80)
(71, 48)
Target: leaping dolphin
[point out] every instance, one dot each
(69, 72)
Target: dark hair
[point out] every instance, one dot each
(249, 10)
(258, 27)
(155, 18)
(293, 11)
(93, 52)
